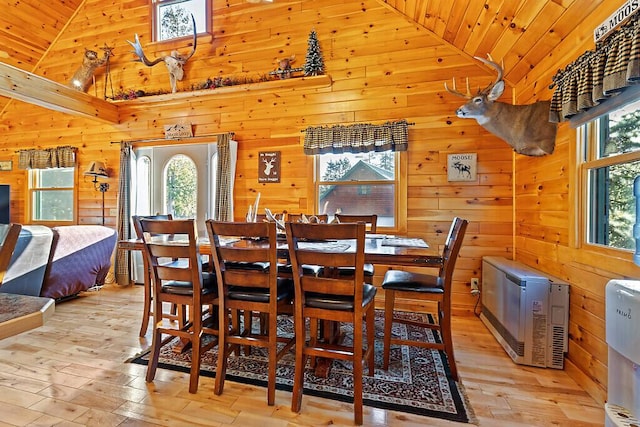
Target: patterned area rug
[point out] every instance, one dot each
(418, 380)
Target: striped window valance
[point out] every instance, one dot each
(57, 157)
(357, 138)
(598, 74)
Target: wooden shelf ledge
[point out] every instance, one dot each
(284, 84)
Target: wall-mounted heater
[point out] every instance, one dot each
(526, 311)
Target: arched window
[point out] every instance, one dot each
(180, 187)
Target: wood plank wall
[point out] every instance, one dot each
(382, 67)
(547, 235)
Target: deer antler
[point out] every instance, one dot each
(491, 63)
(454, 91)
(174, 62)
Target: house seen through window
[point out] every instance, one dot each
(359, 184)
(611, 162)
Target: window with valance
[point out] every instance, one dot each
(356, 138)
(598, 75)
(57, 157)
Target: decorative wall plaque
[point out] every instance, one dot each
(178, 131)
(462, 167)
(269, 166)
(6, 165)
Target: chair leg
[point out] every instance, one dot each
(223, 350)
(196, 346)
(146, 310)
(357, 371)
(298, 376)
(273, 355)
(389, 302)
(371, 339)
(445, 332)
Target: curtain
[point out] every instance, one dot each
(598, 74)
(224, 180)
(122, 261)
(357, 138)
(57, 157)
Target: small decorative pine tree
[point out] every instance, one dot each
(314, 64)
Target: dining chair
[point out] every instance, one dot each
(9, 234)
(181, 282)
(175, 313)
(372, 226)
(331, 298)
(248, 282)
(425, 287)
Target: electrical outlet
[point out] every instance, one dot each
(475, 290)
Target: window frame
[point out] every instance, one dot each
(32, 188)
(588, 137)
(154, 17)
(400, 193)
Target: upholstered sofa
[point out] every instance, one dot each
(59, 262)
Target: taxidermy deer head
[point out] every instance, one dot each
(526, 128)
(174, 62)
(83, 76)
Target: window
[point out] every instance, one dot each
(143, 186)
(51, 194)
(611, 162)
(181, 187)
(359, 184)
(172, 18)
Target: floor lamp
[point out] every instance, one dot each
(97, 169)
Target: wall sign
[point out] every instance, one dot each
(616, 19)
(6, 165)
(269, 166)
(178, 131)
(462, 167)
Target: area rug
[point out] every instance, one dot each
(418, 380)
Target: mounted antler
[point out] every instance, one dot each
(526, 128)
(174, 62)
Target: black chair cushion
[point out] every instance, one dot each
(348, 271)
(311, 270)
(415, 282)
(285, 291)
(339, 302)
(186, 288)
(254, 266)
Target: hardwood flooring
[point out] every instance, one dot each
(71, 372)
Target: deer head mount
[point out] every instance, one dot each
(526, 128)
(174, 62)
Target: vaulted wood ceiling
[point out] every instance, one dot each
(521, 32)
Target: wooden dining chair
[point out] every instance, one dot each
(331, 298)
(181, 282)
(425, 287)
(147, 310)
(9, 234)
(248, 282)
(372, 226)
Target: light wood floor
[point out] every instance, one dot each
(71, 372)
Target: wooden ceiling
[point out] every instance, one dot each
(521, 32)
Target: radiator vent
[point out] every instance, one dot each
(526, 311)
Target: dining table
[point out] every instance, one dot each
(383, 249)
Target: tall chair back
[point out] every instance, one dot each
(370, 220)
(181, 282)
(248, 282)
(331, 298)
(425, 287)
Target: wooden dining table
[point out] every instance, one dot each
(379, 249)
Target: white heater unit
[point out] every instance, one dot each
(526, 311)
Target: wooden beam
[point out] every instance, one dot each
(28, 87)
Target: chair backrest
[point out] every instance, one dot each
(370, 220)
(9, 234)
(451, 249)
(314, 218)
(136, 221)
(251, 262)
(172, 239)
(320, 244)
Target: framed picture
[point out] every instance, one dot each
(462, 167)
(6, 165)
(269, 166)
